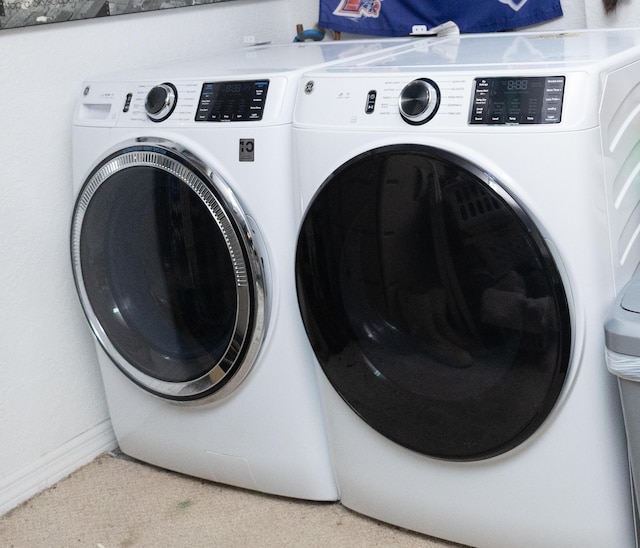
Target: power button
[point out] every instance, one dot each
(371, 101)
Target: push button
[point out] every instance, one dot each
(371, 101)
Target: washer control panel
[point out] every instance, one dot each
(187, 102)
(512, 100)
(232, 101)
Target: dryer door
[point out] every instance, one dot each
(432, 303)
(168, 272)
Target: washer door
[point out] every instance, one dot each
(168, 272)
(432, 303)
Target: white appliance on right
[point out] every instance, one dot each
(469, 210)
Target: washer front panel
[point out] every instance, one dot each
(432, 303)
(168, 273)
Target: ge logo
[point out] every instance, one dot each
(308, 87)
(247, 150)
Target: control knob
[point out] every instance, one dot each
(419, 101)
(160, 102)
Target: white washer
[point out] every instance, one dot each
(183, 243)
(470, 208)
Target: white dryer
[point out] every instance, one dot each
(182, 243)
(469, 210)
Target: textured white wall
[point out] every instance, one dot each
(627, 14)
(52, 411)
(590, 14)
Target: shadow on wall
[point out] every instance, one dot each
(610, 5)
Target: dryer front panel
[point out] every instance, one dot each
(168, 272)
(432, 303)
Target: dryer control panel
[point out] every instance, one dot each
(517, 100)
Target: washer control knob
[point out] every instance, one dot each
(419, 101)
(160, 102)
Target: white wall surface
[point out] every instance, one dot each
(627, 14)
(53, 416)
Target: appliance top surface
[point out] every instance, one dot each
(261, 60)
(509, 50)
(254, 85)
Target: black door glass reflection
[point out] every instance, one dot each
(434, 311)
(158, 274)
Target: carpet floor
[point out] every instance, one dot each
(115, 502)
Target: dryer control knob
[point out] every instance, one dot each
(160, 102)
(419, 101)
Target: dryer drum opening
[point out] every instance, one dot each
(432, 304)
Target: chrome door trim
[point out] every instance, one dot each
(252, 300)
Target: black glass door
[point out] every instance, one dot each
(432, 303)
(168, 275)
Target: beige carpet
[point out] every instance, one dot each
(117, 503)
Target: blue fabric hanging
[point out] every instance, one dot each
(397, 17)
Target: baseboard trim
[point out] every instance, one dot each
(23, 484)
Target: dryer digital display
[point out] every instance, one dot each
(516, 100)
(232, 101)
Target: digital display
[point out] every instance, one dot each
(233, 101)
(527, 100)
(517, 85)
(234, 87)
